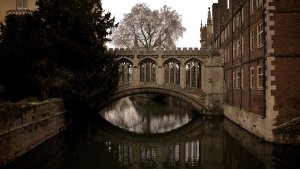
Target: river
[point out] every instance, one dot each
(154, 131)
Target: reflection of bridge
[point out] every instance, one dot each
(194, 74)
(200, 148)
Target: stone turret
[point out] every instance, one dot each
(209, 25)
(206, 32)
(203, 36)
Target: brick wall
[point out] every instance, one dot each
(287, 93)
(286, 46)
(246, 98)
(287, 24)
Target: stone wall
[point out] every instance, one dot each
(25, 126)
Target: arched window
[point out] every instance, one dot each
(125, 69)
(172, 72)
(193, 73)
(147, 71)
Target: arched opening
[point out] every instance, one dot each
(125, 69)
(172, 72)
(147, 71)
(193, 73)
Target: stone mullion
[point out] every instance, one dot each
(196, 75)
(182, 75)
(169, 75)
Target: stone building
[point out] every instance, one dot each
(16, 7)
(261, 54)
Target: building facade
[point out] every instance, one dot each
(261, 55)
(16, 7)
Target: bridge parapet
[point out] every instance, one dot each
(164, 51)
(19, 11)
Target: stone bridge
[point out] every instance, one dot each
(195, 75)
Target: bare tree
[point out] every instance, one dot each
(148, 28)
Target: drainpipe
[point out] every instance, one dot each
(264, 61)
(232, 89)
(241, 53)
(249, 60)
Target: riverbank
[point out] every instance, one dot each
(24, 126)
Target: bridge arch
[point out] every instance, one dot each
(198, 103)
(125, 60)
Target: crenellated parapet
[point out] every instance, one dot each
(164, 51)
(160, 55)
(19, 11)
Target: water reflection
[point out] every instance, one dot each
(148, 113)
(203, 143)
(206, 143)
(193, 146)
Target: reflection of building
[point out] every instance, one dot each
(172, 155)
(192, 153)
(261, 54)
(15, 7)
(148, 156)
(201, 147)
(189, 154)
(125, 155)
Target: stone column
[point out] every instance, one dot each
(182, 75)
(159, 69)
(135, 71)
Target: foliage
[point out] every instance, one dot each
(1, 88)
(149, 28)
(66, 56)
(21, 48)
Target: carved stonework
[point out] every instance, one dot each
(171, 56)
(125, 56)
(147, 56)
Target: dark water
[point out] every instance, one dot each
(201, 142)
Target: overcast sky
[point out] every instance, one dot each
(192, 12)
